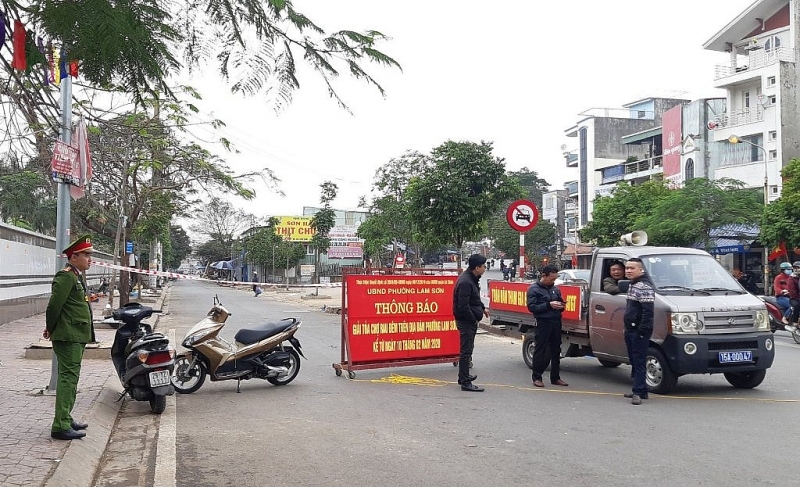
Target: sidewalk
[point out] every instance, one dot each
(28, 456)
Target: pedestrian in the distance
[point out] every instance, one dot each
(256, 288)
(468, 310)
(69, 326)
(546, 304)
(638, 321)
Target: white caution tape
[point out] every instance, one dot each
(176, 275)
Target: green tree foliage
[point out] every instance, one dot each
(139, 44)
(620, 213)
(541, 239)
(532, 185)
(780, 222)
(25, 201)
(179, 247)
(464, 187)
(389, 221)
(687, 215)
(270, 251)
(212, 251)
(323, 221)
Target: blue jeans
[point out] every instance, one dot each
(785, 304)
(637, 355)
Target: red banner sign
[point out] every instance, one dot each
(509, 296)
(64, 163)
(400, 318)
(513, 297)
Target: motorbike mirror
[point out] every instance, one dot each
(623, 285)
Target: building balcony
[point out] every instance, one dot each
(741, 117)
(631, 170)
(755, 60)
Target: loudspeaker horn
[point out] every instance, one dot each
(636, 238)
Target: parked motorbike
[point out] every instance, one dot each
(143, 359)
(776, 317)
(258, 352)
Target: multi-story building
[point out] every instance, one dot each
(680, 149)
(762, 107)
(599, 133)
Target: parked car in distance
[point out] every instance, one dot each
(567, 275)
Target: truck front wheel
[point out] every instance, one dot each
(659, 377)
(528, 344)
(745, 380)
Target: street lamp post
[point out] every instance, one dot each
(733, 139)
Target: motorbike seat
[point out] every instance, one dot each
(257, 333)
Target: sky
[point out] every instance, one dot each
(516, 73)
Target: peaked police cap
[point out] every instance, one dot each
(82, 244)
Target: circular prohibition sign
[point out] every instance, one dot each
(522, 215)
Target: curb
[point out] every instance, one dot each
(81, 461)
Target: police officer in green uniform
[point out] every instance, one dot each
(69, 327)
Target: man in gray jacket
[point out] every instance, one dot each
(468, 310)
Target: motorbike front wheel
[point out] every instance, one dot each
(294, 369)
(158, 404)
(186, 380)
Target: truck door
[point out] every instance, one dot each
(605, 313)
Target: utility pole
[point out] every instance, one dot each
(62, 204)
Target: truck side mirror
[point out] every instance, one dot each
(623, 285)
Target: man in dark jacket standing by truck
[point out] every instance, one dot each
(545, 302)
(638, 322)
(468, 310)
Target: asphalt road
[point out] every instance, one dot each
(414, 426)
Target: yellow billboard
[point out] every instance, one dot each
(295, 228)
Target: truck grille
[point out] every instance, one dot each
(723, 321)
(741, 345)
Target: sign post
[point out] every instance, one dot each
(522, 215)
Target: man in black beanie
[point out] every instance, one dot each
(468, 310)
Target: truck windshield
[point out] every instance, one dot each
(682, 273)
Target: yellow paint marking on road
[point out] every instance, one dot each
(425, 381)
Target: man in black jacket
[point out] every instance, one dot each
(546, 304)
(468, 310)
(638, 320)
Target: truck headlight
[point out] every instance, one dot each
(761, 320)
(685, 323)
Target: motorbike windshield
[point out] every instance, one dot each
(696, 274)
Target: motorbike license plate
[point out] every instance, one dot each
(734, 357)
(159, 378)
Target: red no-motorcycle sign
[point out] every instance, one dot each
(400, 318)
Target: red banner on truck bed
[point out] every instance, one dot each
(400, 317)
(513, 297)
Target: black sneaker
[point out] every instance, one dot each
(470, 378)
(630, 396)
(470, 387)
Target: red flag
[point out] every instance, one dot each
(83, 171)
(575, 261)
(19, 61)
(73, 69)
(778, 251)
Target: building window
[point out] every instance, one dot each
(772, 99)
(641, 113)
(773, 135)
(771, 81)
(773, 154)
(747, 99)
(309, 250)
(689, 170)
